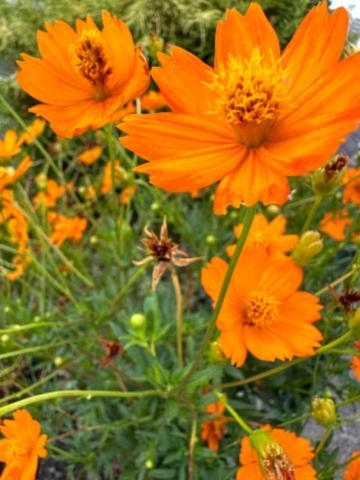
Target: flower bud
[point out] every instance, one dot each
(155, 207)
(274, 462)
(273, 211)
(210, 239)
(310, 244)
(323, 410)
(326, 179)
(137, 320)
(215, 354)
(58, 361)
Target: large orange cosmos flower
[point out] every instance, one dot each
(85, 76)
(352, 471)
(21, 447)
(254, 118)
(297, 450)
(263, 312)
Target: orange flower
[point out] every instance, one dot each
(152, 101)
(254, 118)
(213, 430)
(297, 451)
(89, 156)
(352, 471)
(119, 175)
(263, 312)
(50, 196)
(267, 234)
(126, 194)
(335, 223)
(21, 447)
(85, 76)
(65, 228)
(9, 145)
(34, 130)
(355, 367)
(352, 186)
(9, 175)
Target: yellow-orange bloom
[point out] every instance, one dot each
(297, 450)
(21, 447)
(335, 223)
(152, 101)
(267, 234)
(89, 156)
(352, 471)
(66, 228)
(9, 175)
(263, 312)
(53, 191)
(85, 76)
(352, 186)
(9, 145)
(355, 367)
(34, 130)
(126, 194)
(257, 116)
(212, 431)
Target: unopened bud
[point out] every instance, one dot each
(310, 244)
(41, 181)
(58, 361)
(4, 338)
(326, 179)
(149, 464)
(137, 320)
(210, 239)
(273, 211)
(155, 206)
(215, 353)
(274, 462)
(324, 410)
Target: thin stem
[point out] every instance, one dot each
(285, 366)
(179, 307)
(322, 442)
(234, 414)
(88, 394)
(192, 443)
(312, 212)
(248, 218)
(338, 280)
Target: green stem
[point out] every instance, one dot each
(88, 394)
(285, 366)
(248, 218)
(179, 306)
(27, 350)
(322, 442)
(312, 212)
(234, 414)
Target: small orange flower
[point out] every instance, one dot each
(355, 367)
(152, 101)
(119, 175)
(257, 116)
(352, 186)
(89, 156)
(21, 447)
(65, 228)
(48, 199)
(126, 194)
(352, 471)
(335, 223)
(9, 175)
(291, 462)
(263, 312)
(212, 431)
(34, 130)
(9, 145)
(267, 234)
(85, 76)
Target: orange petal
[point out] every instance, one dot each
(267, 345)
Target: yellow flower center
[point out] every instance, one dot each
(258, 239)
(261, 309)
(89, 58)
(248, 95)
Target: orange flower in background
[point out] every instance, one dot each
(352, 186)
(34, 130)
(267, 234)
(89, 156)
(66, 228)
(212, 431)
(152, 101)
(119, 175)
(290, 459)
(335, 223)
(21, 447)
(263, 313)
(85, 76)
(352, 471)
(127, 194)
(9, 175)
(254, 118)
(48, 199)
(9, 145)
(355, 367)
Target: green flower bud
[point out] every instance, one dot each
(210, 239)
(310, 244)
(324, 410)
(137, 320)
(326, 179)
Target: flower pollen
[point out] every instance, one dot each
(249, 95)
(261, 309)
(88, 57)
(277, 465)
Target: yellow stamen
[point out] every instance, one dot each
(89, 58)
(248, 95)
(261, 309)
